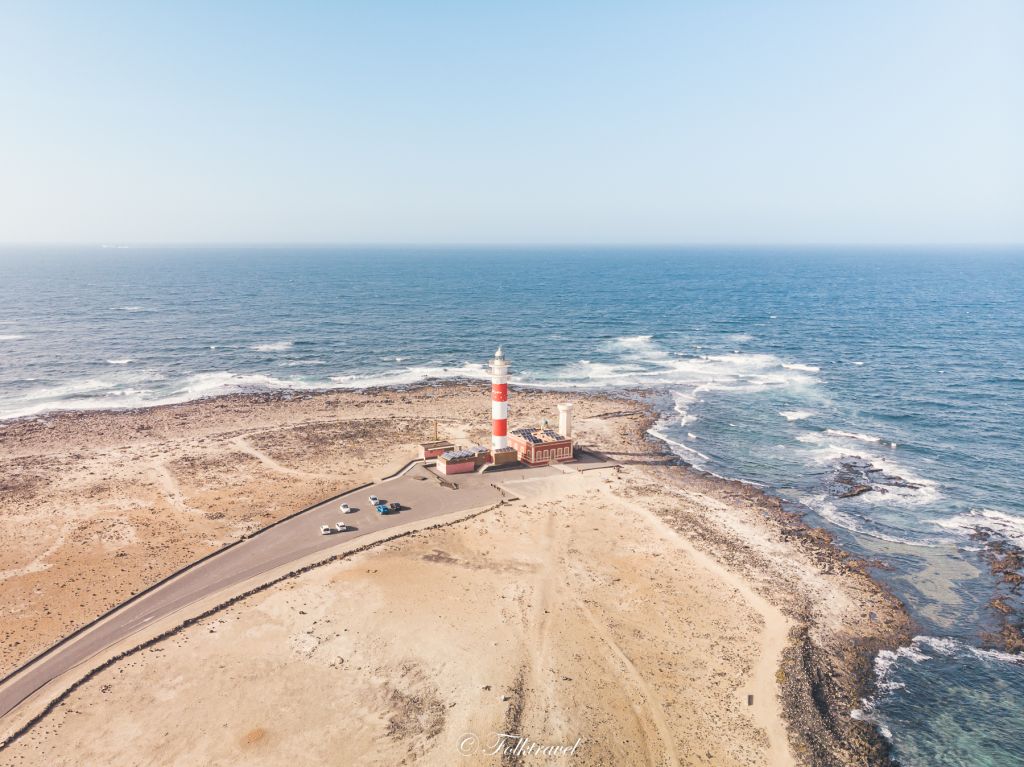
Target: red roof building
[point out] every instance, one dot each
(536, 447)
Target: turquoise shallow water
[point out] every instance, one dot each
(800, 370)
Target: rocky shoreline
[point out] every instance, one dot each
(826, 671)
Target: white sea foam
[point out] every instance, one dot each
(826, 509)
(735, 372)
(993, 521)
(852, 435)
(640, 361)
(131, 309)
(223, 382)
(795, 415)
(833, 448)
(643, 362)
(858, 363)
(276, 346)
(740, 338)
(997, 656)
(141, 389)
(301, 363)
(633, 342)
(11, 337)
(920, 650)
(124, 361)
(132, 389)
(941, 645)
(121, 390)
(924, 648)
(949, 646)
(411, 375)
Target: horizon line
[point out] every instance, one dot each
(127, 245)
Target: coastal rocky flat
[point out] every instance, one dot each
(653, 613)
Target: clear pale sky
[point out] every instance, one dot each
(443, 122)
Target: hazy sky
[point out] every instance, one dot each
(718, 121)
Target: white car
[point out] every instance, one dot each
(341, 527)
(346, 509)
(374, 500)
(325, 530)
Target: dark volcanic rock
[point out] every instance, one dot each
(854, 476)
(856, 490)
(1006, 563)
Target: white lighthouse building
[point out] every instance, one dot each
(499, 401)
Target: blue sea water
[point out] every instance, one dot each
(783, 367)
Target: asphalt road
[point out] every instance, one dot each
(422, 496)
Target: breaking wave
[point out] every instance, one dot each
(991, 521)
(852, 435)
(795, 415)
(693, 456)
(149, 389)
(275, 346)
(902, 485)
(889, 664)
(826, 508)
(925, 648)
(640, 361)
(411, 375)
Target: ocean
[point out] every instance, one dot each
(812, 372)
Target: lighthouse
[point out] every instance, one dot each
(499, 401)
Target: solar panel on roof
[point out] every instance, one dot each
(455, 455)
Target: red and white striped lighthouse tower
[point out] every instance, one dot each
(499, 401)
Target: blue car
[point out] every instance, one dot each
(382, 508)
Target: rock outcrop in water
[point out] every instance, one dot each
(854, 476)
(1006, 563)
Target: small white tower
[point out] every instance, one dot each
(499, 401)
(565, 420)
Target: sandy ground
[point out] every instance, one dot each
(96, 506)
(632, 609)
(581, 611)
